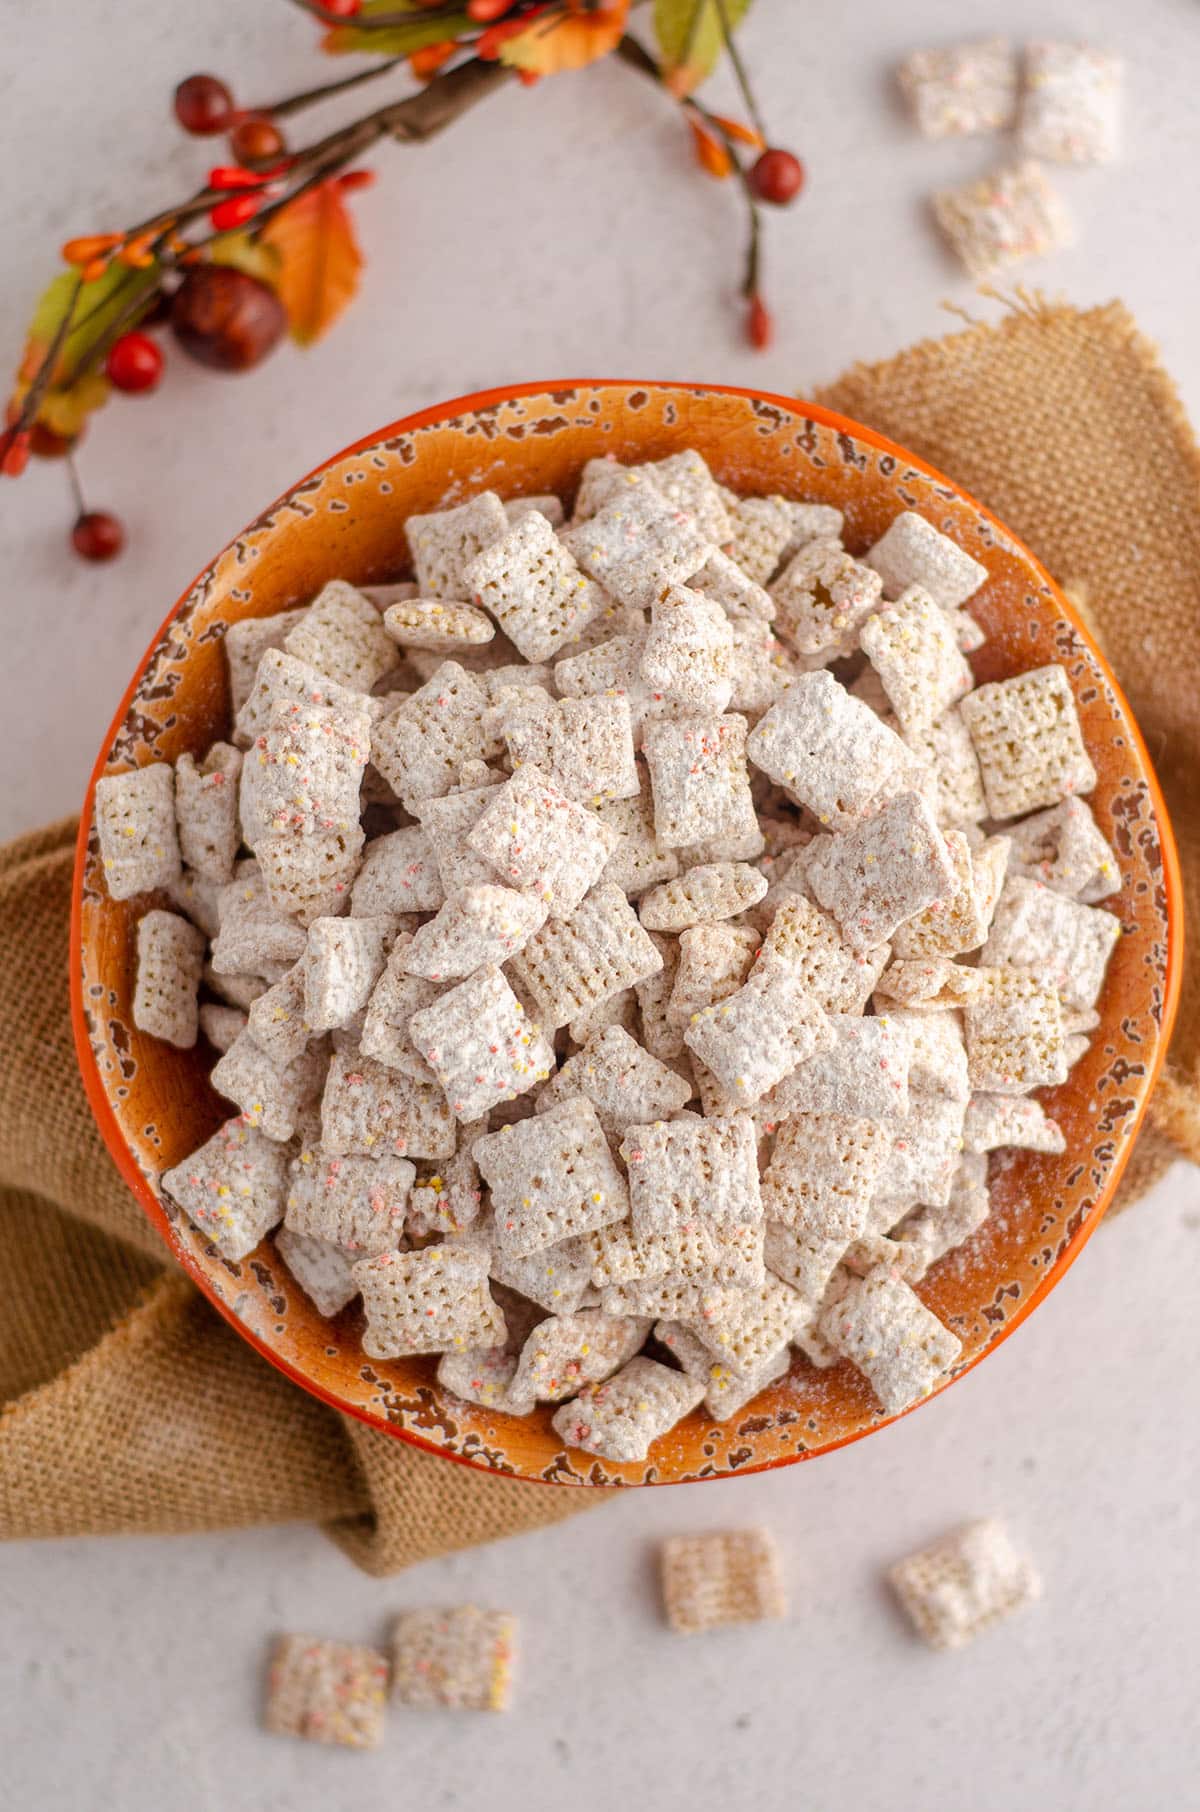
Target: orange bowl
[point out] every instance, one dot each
(154, 1104)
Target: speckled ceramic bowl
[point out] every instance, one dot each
(154, 1104)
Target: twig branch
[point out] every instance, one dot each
(296, 103)
(739, 70)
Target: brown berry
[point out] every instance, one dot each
(98, 535)
(256, 140)
(203, 105)
(225, 319)
(777, 177)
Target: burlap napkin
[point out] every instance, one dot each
(130, 1405)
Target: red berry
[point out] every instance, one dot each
(235, 212)
(98, 535)
(760, 324)
(14, 451)
(203, 105)
(484, 11)
(225, 318)
(343, 9)
(256, 140)
(134, 362)
(777, 177)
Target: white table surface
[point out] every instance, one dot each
(565, 232)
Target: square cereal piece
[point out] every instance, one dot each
(1064, 848)
(912, 646)
(434, 1300)
(885, 1330)
(327, 1692)
(959, 921)
(368, 1110)
(757, 1035)
(947, 749)
(1030, 746)
(537, 838)
(827, 749)
(744, 1328)
(551, 1177)
(624, 1083)
(322, 1271)
(712, 1580)
(805, 1263)
(398, 875)
(883, 871)
(444, 543)
(568, 1351)
(713, 962)
(661, 1037)
(357, 1204)
(636, 544)
(964, 88)
(1064, 943)
(245, 645)
(725, 582)
(461, 1659)
(484, 1374)
(927, 1234)
(686, 483)
(840, 978)
(762, 530)
(442, 628)
(1018, 1120)
(572, 965)
(692, 1171)
(232, 1189)
(620, 1418)
(206, 811)
(448, 823)
(1002, 219)
(612, 669)
(480, 1044)
(823, 1172)
(862, 1075)
(583, 746)
(529, 581)
(912, 552)
(303, 773)
(937, 1061)
(1071, 105)
(284, 684)
(270, 1096)
(170, 956)
(673, 1270)
(727, 1395)
(760, 667)
(386, 1033)
(420, 747)
(544, 502)
(926, 1150)
(476, 927)
(310, 877)
(1014, 1034)
(963, 1584)
(220, 1024)
(705, 894)
(135, 823)
(638, 860)
(603, 479)
(688, 651)
(821, 597)
(341, 964)
(340, 634)
(698, 776)
(558, 1278)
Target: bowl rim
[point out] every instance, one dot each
(105, 1116)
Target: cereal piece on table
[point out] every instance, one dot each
(480, 1044)
(358, 1204)
(692, 1172)
(461, 1659)
(441, 627)
(420, 747)
(964, 88)
(398, 875)
(1027, 737)
(885, 1330)
(963, 1584)
(557, 1278)
(862, 1075)
(476, 927)
(828, 749)
(959, 921)
(823, 1172)
(706, 893)
(725, 583)
(885, 870)
(620, 1418)
(709, 1581)
(1060, 940)
(322, 1270)
(135, 823)
(284, 684)
(636, 544)
(624, 1083)
(569, 1351)
(341, 636)
(583, 746)
(528, 580)
(698, 777)
(714, 961)
(368, 1110)
(1065, 849)
(912, 552)
(1014, 1034)
(757, 1035)
(686, 483)
(386, 1033)
(544, 502)
(206, 811)
(170, 957)
(484, 1374)
(934, 984)
(433, 1300)
(1071, 105)
(605, 478)
(232, 1189)
(687, 652)
(948, 751)
(444, 543)
(928, 1233)
(1016, 1120)
(572, 965)
(661, 1037)
(310, 877)
(1004, 218)
(912, 646)
(745, 1328)
(839, 977)
(343, 960)
(551, 1177)
(221, 1024)
(538, 839)
(245, 645)
(269, 1095)
(822, 596)
(448, 823)
(327, 1692)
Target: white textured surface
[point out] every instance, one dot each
(573, 237)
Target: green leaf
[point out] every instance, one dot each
(98, 305)
(396, 40)
(691, 38)
(245, 254)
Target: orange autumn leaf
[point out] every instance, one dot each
(566, 40)
(711, 154)
(740, 134)
(319, 260)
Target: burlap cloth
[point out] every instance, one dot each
(130, 1404)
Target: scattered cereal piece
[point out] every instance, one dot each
(620, 1418)
(478, 1041)
(170, 956)
(462, 1659)
(712, 1580)
(963, 89)
(1002, 219)
(135, 822)
(1071, 107)
(964, 1583)
(232, 1188)
(434, 1300)
(328, 1692)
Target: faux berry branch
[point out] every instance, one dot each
(267, 245)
